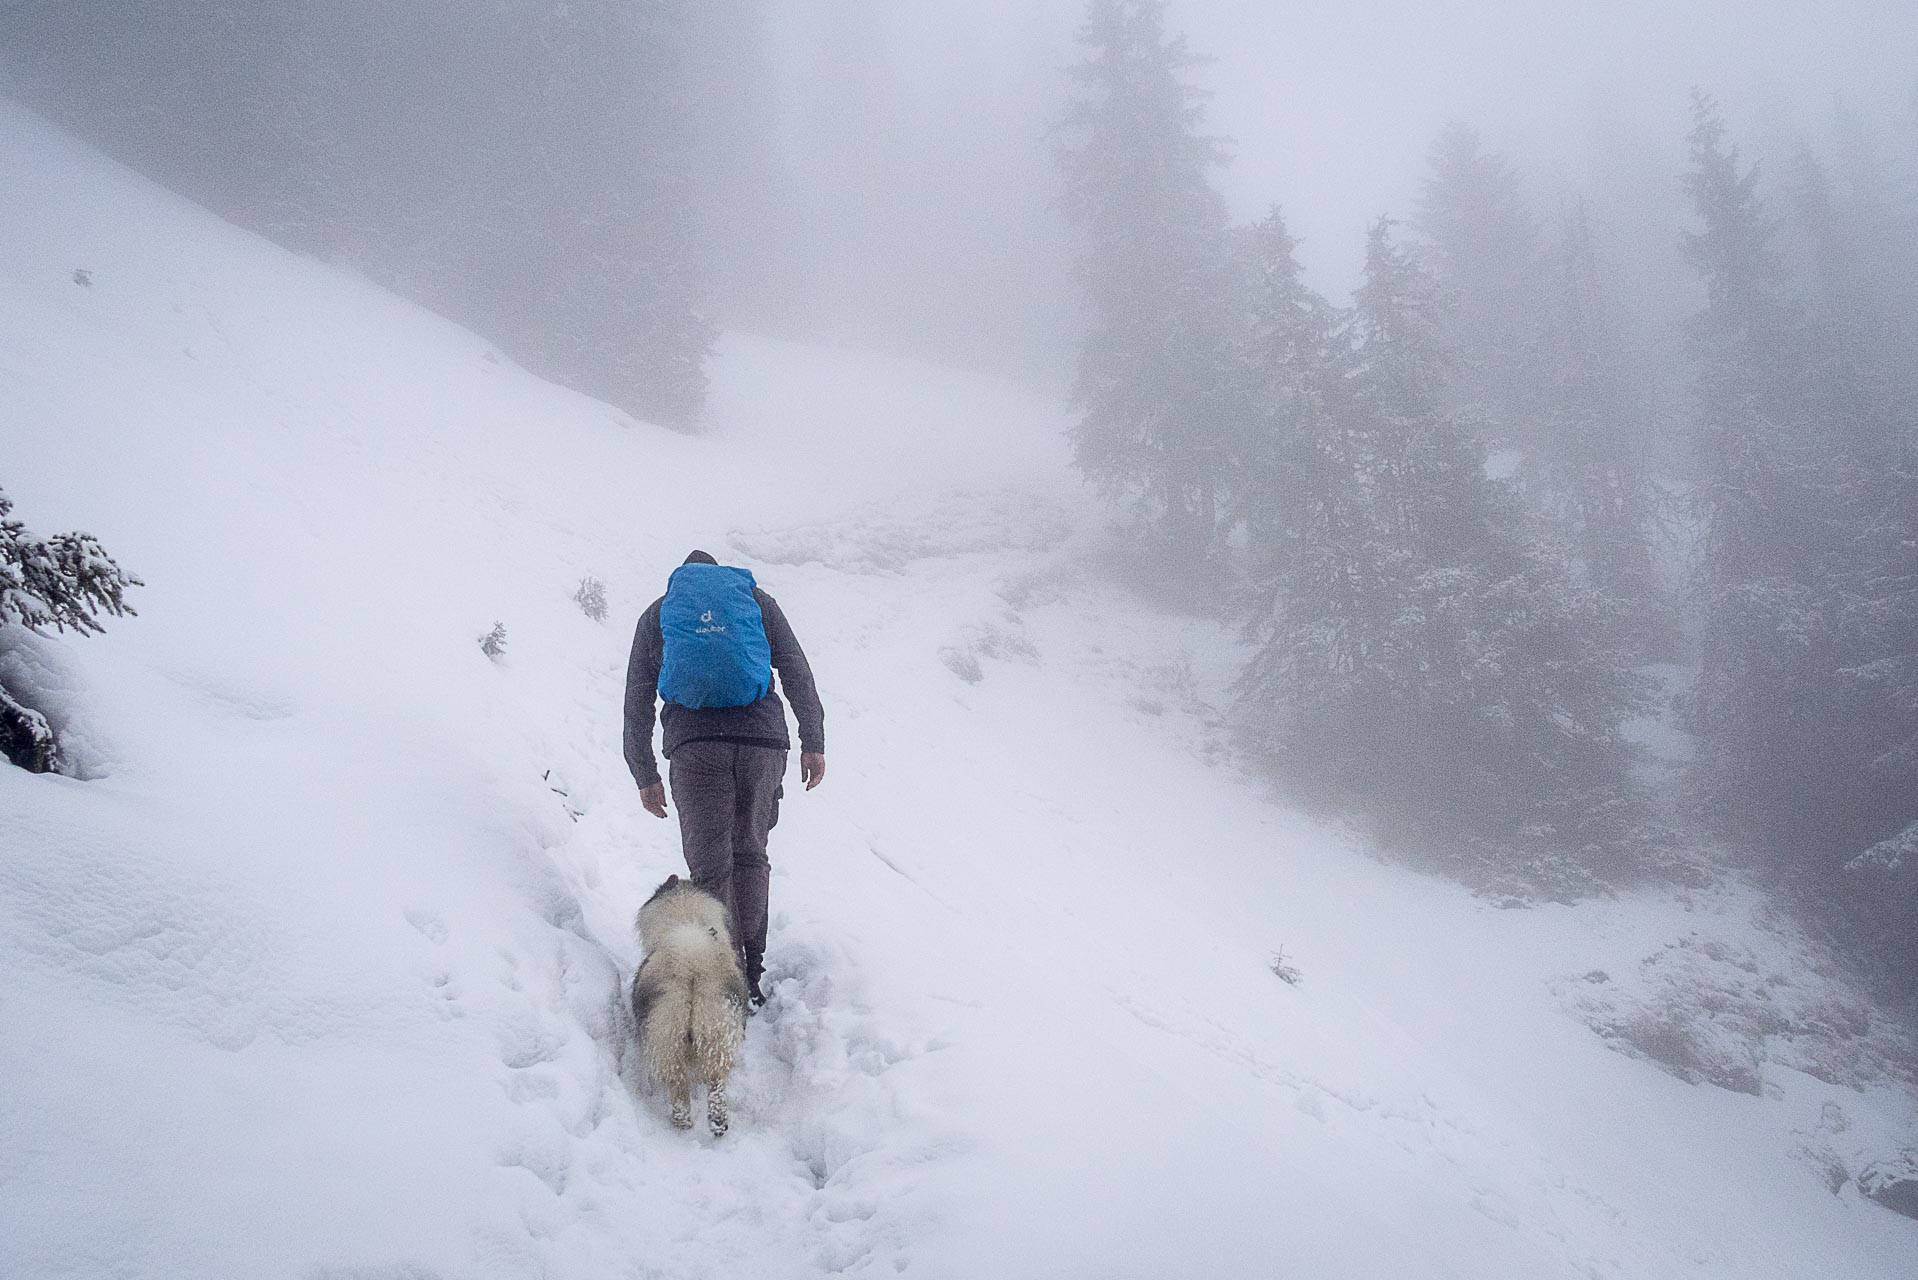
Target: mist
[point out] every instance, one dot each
(941, 120)
(1336, 542)
(1333, 108)
(885, 174)
(1209, 228)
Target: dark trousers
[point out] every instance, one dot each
(728, 798)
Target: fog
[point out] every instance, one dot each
(1339, 542)
(1333, 106)
(1550, 369)
(883, 173)
(1329, 109)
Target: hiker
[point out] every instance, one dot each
(707, 649)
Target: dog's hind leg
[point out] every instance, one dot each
(679, 1088)
(718, 1028)
(682, 1096)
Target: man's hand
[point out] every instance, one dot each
(812, 768)
(654, 798)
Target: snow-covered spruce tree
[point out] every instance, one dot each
(1433, 660)
(1593, 476)
(1806, 700)
(1157, 388)
(1772, 715)
(1852, 235)
(1856, 237)
(1300, 493)
(1878, 623)
(1481, 242)
(1293, 358)
(62, 583)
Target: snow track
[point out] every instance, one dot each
(825, 1134)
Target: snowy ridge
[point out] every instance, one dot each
(320, 975)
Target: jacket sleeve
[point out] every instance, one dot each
(795, 675)
(642, 693)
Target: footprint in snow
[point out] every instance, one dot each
(429, 923)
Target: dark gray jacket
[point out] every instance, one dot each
(762, 722)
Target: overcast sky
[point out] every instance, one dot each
(1334, 102)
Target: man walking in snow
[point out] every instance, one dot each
(707, 649)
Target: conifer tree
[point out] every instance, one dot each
(1594, 478)
(1156, 386)
(1806, 701)
(1292, 363)
(1481, 242)
(1857, 234)
(1433, 660)
(1764, 698)
(1865, 307)
(1300, 494)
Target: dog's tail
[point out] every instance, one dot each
(690, 1001)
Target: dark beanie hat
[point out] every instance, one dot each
(699, 557)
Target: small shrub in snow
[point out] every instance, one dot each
(493, 643)
(591, 598)
(1284, 970)
(962, 663)
(62, 583)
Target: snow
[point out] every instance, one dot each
(317, 973)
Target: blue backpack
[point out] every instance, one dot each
(717, 654)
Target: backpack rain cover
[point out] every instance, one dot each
(717, 654)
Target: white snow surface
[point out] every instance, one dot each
(318, 973)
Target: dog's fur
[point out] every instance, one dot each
(689, 997)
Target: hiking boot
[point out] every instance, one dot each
(755, 998)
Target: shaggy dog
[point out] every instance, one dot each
(689, 997)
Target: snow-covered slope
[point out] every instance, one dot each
(317, 974)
